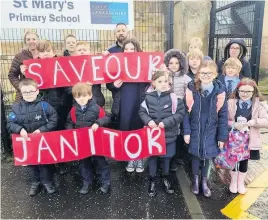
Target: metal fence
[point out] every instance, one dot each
(153, 29)
(237, 19)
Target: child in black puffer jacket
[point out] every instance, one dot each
(31, 115)
(161, 108)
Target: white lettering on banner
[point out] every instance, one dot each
(24, 148)
(91, 141)
(95, 68)
(138, 68)
(118, 69)
(152, 140)
(111, 140)
(131, 155)
(153, 62)
(57, 64)
(79, 75)
(64, 142)
(34, 73)
(41, 148)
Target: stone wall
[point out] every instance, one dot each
(264, 46)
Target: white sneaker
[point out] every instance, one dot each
(140, 166)
(130, 166)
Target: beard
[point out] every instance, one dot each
(121, 39)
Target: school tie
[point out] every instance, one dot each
(244, 105)
(205, 93)
(229, 87)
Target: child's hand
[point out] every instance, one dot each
(37, 131)
(95, 127)
(220, 144)
(251, 123)
(118, 83)
(23, 68)
(23, 133)
(187, 139)
(152, 124)
(161, 125)
(105, 53)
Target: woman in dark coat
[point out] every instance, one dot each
(236, 48)
(17, 69)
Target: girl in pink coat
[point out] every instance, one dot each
(246, 112)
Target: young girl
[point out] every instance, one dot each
(127, 99)
(245, 104)
(158, 110)
(206, 123)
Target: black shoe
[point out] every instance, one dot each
(34, 188)
(151, 189)
(105, 188)
(167, 186)
(50, 188)
(85, 188)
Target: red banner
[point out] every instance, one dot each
(76, 144)
(97, 69)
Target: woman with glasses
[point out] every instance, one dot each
(236, 48)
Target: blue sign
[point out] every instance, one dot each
(109, 12)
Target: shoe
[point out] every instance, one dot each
(34, 188)
(233, 184)
(241, 183)
(151, 189)
(206, 190)
(85, 188)
(50, 188)
(167, 185)
(195, 185)
(140, 166)
(131, 166)
(105, 188)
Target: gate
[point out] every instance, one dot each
(237, 19)
(153, 29)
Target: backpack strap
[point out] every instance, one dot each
(174, 102)
(101, 112)
(189, 99)
(220, 101)
(72, 113)
(44, 108)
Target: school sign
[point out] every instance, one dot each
(66, 14)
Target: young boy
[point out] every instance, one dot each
(70, 45)
(230, 77)
(195, 58)
(197, 44)
(86, 113)
(83, 48)
(33, 116)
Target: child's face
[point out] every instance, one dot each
(193, 47)
(231, 71)
(70, 44)
(246, 92)
(206, 76)
(48, 53)
(234, 50)
(161, 84)
(194, 62)
(29, 93)
(82, 50)
(83, 100)
(129, 48)
(174, 64)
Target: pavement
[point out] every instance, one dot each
(128, 197)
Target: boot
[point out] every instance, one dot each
(151, 189)
(195, 185)
(50, 188)
(241, 183)
(105, 188)
(233, 184)
(167, 186)
(34, 188)
(85, 188)
(206, 190)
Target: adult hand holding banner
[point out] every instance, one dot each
(97, 69)
(76, 144)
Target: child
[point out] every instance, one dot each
(245, 104)
(33, 116)
(87, 113)
(158, 110)
(206, 123)
(127, 98)
(176, 63)
(230, 77)
(197, 44)
(194, 58)
(83, 48)
(70, 44)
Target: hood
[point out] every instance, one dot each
(218, 86)
(180, 56)
(239, 41)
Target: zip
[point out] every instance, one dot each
(199, 124)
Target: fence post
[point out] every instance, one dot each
(212, 30)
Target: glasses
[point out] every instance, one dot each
(28, 93)
(245, 92)
(206, 74)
